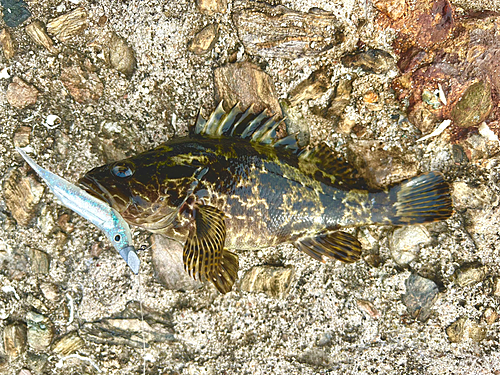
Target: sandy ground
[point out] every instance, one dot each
(334, 318)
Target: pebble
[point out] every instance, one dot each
(204, 40)
(15, 12)
(340, 100)
(22, 136)
(464, 328)
(211, 7)
(247, 84)
(68, 344)
(83, 85)
(456, 331)
(168, 264)
(7, 44)
(368, 307)
(474, 106)
(490, 315)
(40, 261)
(273, 281)
(36, 31)
(22, 195)
(496, 286)
(370, 97)
(20, 94)
(50, 291)
(423, 118)
(372, 61)
(276, 31)
(69, 25)
(470, 274)
(404, 243)
(14, 339)
(311, 88)
(40, 331)
(121, 55)
(421, 294)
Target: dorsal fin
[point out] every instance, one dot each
(321, 163)
(258, 127)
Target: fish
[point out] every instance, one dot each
(231, 184)
(95, 210)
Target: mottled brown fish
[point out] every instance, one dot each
(231, 185)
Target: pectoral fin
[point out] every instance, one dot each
(337, 245)
(204, 254)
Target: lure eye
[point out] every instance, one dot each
(118, 238)
(122, 171)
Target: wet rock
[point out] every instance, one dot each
(368, 307)
(474, 106)
(273, 281)
(470, 274)
(7, 44)
(373, 61)
(14, 339)
(20, 94)
(423, 118)
(50, 291)
(211, 7)
(421, 294)
(36, 31)
(311, 88)
(69, 25)
(405, 242)
(22, 194)
(22, 136)
(83, 85)
(40, 262)
(68, 344)
(15, 12)
(204, 40)
(169, 266)
(394, 9)
(246, 84)
(121, 55)
(464, 328)
(276, 31)
(40, 331)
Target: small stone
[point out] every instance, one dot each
(68, 344)
(456, 331)
(431, 98)
(470, 274)
(22, 194)
(36, 30)
(50, 291)
(20, 94)
(496, 286)
(15, 12)
(83, 85)
(121, 55)
(394, 9)
(68, 25)
(25, 371)
(325, 339)
(64, 223)
(14, 339)
(368, 307)
(168, 264)
(373, 61)
(311, 88)
(7, 44)
(246, 84)
(341, 98)
(490, 315)
(40, 331)
(276, 31)
(474, 106)
(476, 332)
(22, 136)
(204, 40)
(273, 281)
(423, 118)
(370, 97)
(211, 7)
(405, 241)
(421, 294)
(40, 262)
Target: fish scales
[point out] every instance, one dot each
(232, 185)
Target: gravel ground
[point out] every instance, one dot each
(62, 283)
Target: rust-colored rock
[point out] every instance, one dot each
(394, 9)
(20, 94)
(246, 84)
(83, 85)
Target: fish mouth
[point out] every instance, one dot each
(94, 188)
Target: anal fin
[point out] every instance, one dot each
(335, 245)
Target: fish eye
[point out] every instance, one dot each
(121, 170)
(118, 238)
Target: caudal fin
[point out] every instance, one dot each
(421, 199)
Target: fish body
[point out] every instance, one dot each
(91, 208)
(232, 185)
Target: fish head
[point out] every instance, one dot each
(147, 189)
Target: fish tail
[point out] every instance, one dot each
(422, 199)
